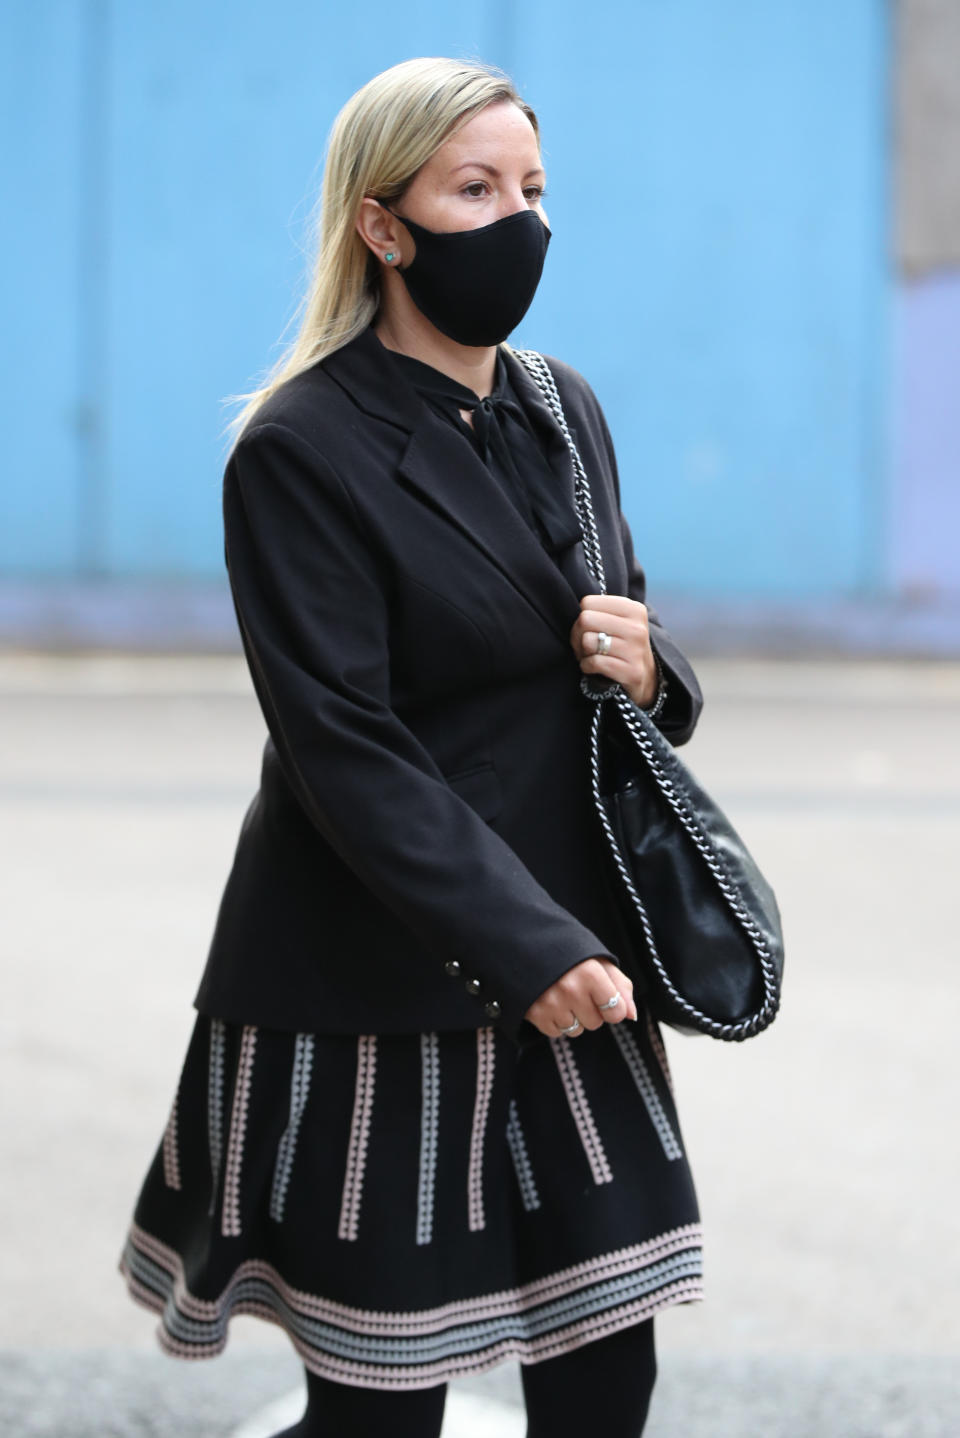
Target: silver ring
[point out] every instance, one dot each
(572, 1028)
(611, 1003)
(603, 643)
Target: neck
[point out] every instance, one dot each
(409, 332)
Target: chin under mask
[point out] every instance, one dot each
(476, 285)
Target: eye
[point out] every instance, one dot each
(476, 189)
(535, 192)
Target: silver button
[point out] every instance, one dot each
(452, 967)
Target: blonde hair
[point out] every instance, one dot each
(383, 135)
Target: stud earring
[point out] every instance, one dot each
(390, 256)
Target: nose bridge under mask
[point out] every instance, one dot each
(414, 225)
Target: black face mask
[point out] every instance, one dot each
(477, 285)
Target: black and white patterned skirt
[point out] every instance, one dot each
(413, 1207)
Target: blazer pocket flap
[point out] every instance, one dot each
(480, 788)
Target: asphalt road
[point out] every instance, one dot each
(825, 1151)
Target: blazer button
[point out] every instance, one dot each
(473, 986)
(492, 1009)
(453, 968)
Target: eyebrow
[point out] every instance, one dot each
(492, 169)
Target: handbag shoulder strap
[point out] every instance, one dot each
(539, 371)
(665, 769)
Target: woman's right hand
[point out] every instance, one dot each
(578, 996)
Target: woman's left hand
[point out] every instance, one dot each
(629, 659)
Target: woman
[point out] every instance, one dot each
(422, 1123)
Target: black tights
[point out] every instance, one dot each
(603, 1386)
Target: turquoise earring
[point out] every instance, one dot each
(390, 256)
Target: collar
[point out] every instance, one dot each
(437, 464)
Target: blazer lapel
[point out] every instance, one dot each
(561, 462)
(447, 473)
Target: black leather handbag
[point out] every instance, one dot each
(703, 924)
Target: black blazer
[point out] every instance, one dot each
(422, 853)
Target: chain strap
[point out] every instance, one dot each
(539, 371)
(643, 730)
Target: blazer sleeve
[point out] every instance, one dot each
(678, 717)
(313, 614)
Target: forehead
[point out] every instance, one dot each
(500, 135)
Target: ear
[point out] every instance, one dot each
(382, 233)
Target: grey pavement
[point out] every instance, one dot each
(825, 1151)
(116, 1394)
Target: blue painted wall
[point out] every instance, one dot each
(44, 425)
(925, 528)
(720, 274)
(718, 271)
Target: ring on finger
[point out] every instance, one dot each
(611, 1003)
(572, 1028)
(603, 643)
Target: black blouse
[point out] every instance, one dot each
(505, 441)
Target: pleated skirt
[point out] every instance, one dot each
(413, 1207)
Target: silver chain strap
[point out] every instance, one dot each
(641, 728)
